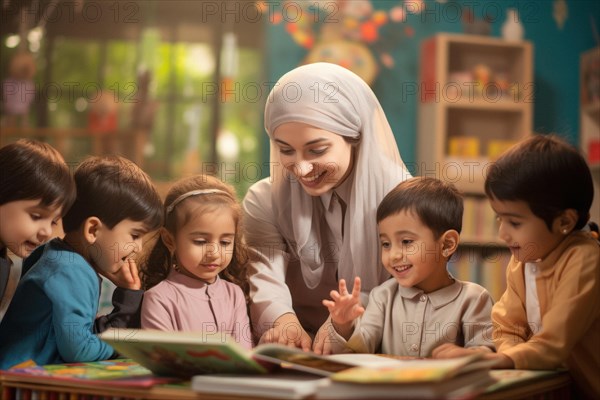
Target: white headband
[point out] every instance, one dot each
(194, 193)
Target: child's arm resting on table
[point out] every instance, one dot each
(450, 350)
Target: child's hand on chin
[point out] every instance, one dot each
(127, 277)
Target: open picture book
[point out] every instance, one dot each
(184, 354)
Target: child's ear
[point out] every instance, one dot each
(91, 227)
(566, 221)
(449, 240)
(167, 239)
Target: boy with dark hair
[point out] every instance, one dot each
(422, 306)
(36, 190)
(51, 318)
(549, 316)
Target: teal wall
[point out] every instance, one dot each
(556, 60)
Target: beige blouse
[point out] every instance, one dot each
(277, 285)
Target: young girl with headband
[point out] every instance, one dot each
(195, 272)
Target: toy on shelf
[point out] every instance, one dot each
(103, 123)
(512, 29)
(476, 26)
(18, 90)
(481, 81)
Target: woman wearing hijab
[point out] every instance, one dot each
(312, 222)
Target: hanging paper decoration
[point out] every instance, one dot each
(354, 26)
(414, 6)
(560, 12)
(354, 56)
(397, 14)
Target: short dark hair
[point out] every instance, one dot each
(35, 170)
(113, 189)
(548, 174)
(438, 205)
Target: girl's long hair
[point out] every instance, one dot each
(157, 263)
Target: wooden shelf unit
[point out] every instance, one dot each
(472, 108)
(589, 114)
(128, 143)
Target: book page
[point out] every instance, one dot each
(293, 358)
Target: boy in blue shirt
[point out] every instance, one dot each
(51, 317)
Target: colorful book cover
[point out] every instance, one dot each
(122, 372)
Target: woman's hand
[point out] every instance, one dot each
(345, 308)
(322, 342)
(287, 331)
(127, 277)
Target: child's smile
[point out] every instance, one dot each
(411, 254)
(401, 270)
(26, 224)
(526, 235)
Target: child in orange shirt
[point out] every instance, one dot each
(549, 316)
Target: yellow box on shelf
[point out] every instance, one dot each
(497, 147)
(463, 146)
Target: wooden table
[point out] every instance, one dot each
(555, 386)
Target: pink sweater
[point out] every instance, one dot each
(181, 303)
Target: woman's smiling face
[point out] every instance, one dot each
(319, 159)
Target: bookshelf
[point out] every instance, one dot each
(590, 119)
(476, 100)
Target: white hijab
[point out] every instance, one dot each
(335, 99)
